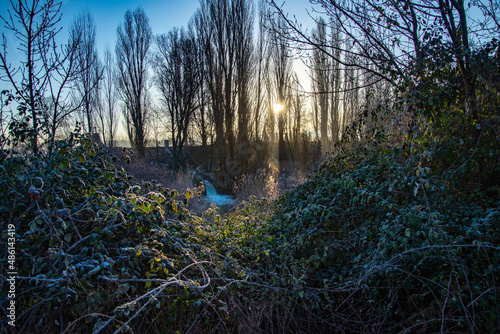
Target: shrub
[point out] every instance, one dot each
(389, 239)
(94, 251)
(382, 237)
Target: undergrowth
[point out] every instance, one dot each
(381, 238)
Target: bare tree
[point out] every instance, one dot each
(271, 100)
(260, 55)
(335, 81)
(282, 70)
(134, 38)
(454, 17)
(203, 116)
(63, 68)
(90, 69)
(401, 41)
(177, 78)
(109, 99)
(244, 53)
(321, 68)
(215, 19)
(351, 103)
(34, 24)
(491, 16)
(297, 101)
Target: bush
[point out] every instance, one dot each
(390, 239)
(94, 251)
(382, 237)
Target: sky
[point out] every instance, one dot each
(163, 16)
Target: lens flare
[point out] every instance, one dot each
(278, 107)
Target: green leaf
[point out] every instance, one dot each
(94, 271)
(146, 207)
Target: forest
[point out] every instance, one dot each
(367, 201)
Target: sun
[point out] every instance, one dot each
(278, 107)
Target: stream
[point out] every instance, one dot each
(216, 198)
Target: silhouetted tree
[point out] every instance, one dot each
(90, 69)
(403, 41)
(177, 78)
(321, 82)
(244, 51)
(203, 116)
(134, 38)
(281, 64)
(261, 61)
(63, 68)
(109, 99)
(212, 27)
(335, 81)
(34, 25)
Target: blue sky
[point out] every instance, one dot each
(163, 15)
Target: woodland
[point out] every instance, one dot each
(367, 202)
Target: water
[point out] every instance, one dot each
(216, 198)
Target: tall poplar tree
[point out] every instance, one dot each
(134, 38)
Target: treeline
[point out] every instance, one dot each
(227, 80)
